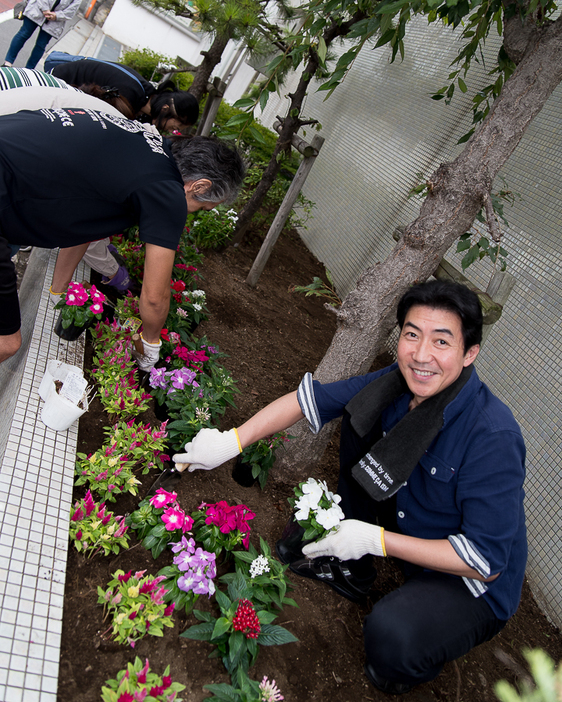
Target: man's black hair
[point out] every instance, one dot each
(446, 295)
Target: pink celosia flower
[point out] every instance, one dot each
(124, 577)
(141, 677)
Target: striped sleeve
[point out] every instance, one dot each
(307, 402)
(12, 77)
(467, 551)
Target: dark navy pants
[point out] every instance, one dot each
(432, 619)
(27, 28)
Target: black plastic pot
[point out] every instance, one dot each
(71, 333)
(242, 473)
(161, 412)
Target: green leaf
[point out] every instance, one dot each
(322, 49)
(264, 97)
(199, 632)
(221, 626)
(462, 85)
(463, 246)
(222, 600)
(470, 257)
(238, 119)
(266, 617)
(243, 104)
(235, 644)
(275, 635)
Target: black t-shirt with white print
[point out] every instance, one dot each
(70, 176)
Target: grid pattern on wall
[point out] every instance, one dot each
(381, 129)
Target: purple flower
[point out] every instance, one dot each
(158, 378)
(185, 544)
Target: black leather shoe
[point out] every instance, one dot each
(391, 688)
(336, 574)
(289, 546)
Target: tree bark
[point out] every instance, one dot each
(211, 58)
(457, 193)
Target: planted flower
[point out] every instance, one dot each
(317, 509)
(94, 529)
(256, 460)
(138, 682)
(264, 575)
(239, 630)
(159, 521)
(246, 690)
(80, 305)
(137, 606)
(110, 471)
(191, 574)
(222, 527)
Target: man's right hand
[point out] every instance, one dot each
(209, 449)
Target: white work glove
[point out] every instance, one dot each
(352, 540)
(209, 449)
(54, 298)
(147, 360)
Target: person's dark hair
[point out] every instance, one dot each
(206, 157)
(181, 105)
(446, 295)
(111, 96)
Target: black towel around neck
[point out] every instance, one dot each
(388, 464)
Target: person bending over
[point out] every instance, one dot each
(432, 466)
(72, 176)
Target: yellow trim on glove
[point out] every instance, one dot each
(382, 543)
(238, 439)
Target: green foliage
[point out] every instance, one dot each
(264, 575)
(146, 61)
(212, 229)
(547, 681)
(319, 288)
(261, 455)
(138, 680)
(136, 606)
(237, 646)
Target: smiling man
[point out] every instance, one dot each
(72, 176)
(432, 466)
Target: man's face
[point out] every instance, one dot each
(430, 352)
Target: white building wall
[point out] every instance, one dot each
(381, 129)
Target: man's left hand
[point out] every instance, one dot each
(352, 540)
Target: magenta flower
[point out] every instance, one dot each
(168, 611)
(79, 535)
(173, 518)
(124, 577)
(78, 515)
(125, 697)
(163, 498)
(96, 308)
(97, 295)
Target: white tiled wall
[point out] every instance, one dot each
(36, 479)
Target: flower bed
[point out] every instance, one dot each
(272, 338)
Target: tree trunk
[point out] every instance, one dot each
(211, 58)
(456, 194)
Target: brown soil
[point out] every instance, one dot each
(272, 338)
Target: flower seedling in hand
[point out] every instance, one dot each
(94, 529)
(317, 509)
(136, 605)
(80, 306)
(261, 455)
